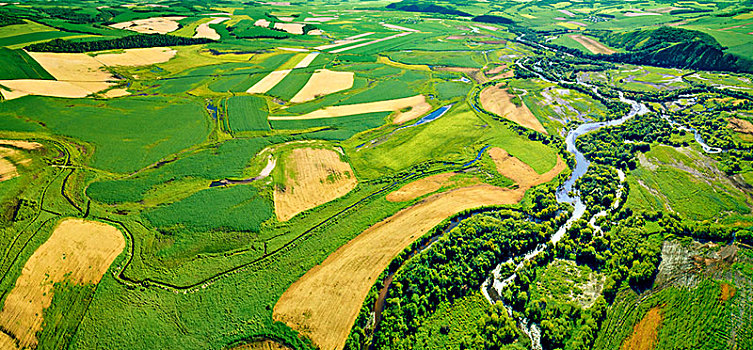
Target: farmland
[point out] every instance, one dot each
(376, 175)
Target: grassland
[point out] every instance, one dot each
(247, 113)
(686, 182)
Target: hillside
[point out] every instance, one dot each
(674, 47)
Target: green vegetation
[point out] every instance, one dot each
(127, 42)
(247, 113)
(235, 208)
(19, 65)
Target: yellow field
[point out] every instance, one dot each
(292, 28)
(137, 57)
(645, 333)
(204, 31)
(268, 82)
(420, 187)
(79, 251)
(417, 104)
(324, 303)
(312, 177)
(79, 75)
(161, 25)
(324, 82)
(592, 44)
(495, 99)
(28, 145)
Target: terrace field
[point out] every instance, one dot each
(376, 175)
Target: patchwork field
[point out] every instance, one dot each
(323, 304)
(497, 100)
(323, 82)
(416, 106)
(78, 251)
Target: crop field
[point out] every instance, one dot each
(247, 113)
(497, 100)
(77, 251)
(372, 175)
(311, 177)
(325, 301)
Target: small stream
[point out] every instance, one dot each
(271, 162)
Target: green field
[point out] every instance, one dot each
(247, 113)
(21, 66)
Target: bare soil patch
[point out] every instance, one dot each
(370, 42)
(645, 333)
(27, 145)
(420, 187)
(7, 169)
(417, 104)
(740, 125)
(52, 88)
(292, 28)
(727, 292)
(137, 57)
(324, 82)
(205, 31)
(520, 172)
(306, 61)
(324, 303)
(79, 251)
(160, 25)
(497, 100)
(638, 14)
(475, 73)
(592, 45)
(312, 177)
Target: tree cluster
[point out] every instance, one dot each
(127, 42)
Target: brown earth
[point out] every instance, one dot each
(475, 73)
(79, 75)
(497, 100)
(740, 125)
(727, 292)
(292, 28)
(592, 44)
(645, 333)
(324, 303)
(7, 169)
(312, 177)
(79, 251)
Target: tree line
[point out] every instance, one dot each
(127, 42)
